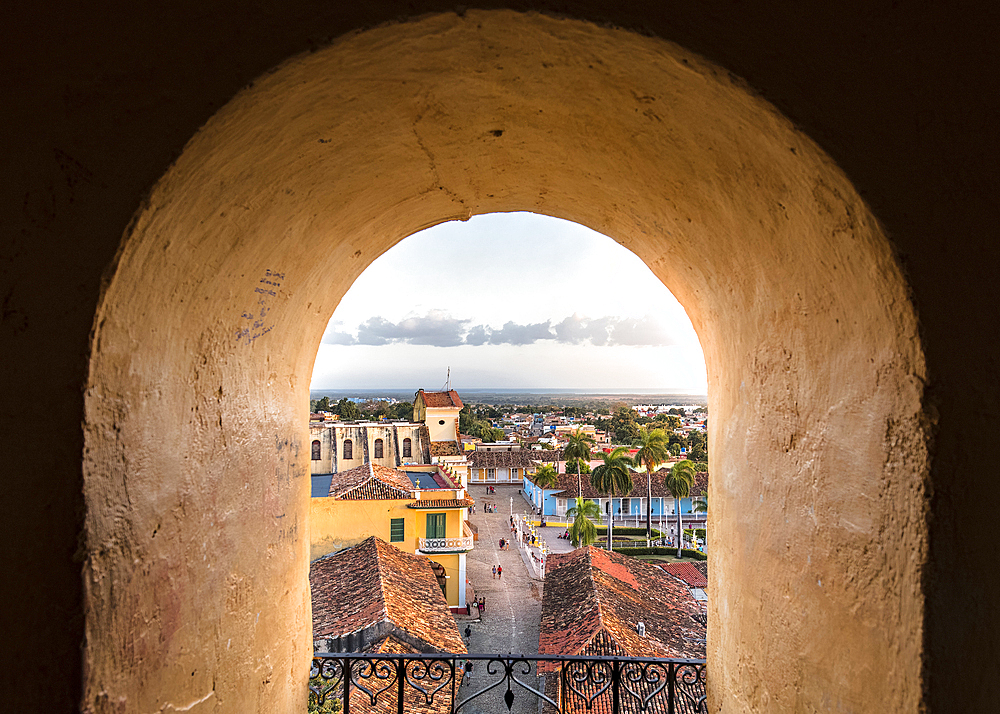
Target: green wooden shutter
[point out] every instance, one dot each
(435, 525)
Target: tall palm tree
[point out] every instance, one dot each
(611, 477)
(545, 477)
(578, 449)
(583, 532)
(652, 451)
(679, 482)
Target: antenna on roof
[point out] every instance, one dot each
(447, 384)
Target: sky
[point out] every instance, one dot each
(510, 301)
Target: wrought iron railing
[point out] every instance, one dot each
(445, 545)
(440, 683)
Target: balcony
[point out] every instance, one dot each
(445, 545)
(437, 683)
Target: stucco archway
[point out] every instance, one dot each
(196, 466)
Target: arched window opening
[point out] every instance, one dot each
(316, 450)
(379, 449)
(828, 333)
(407, 448)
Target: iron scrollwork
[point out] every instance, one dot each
(439, 682)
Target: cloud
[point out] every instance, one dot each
(625, 331)
(478, 335)
(336, 336)
(439, 329)
(640, 332)
(513, 334)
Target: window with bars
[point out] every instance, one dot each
(316, 450)
(407, 448)
(348, 449)
(379, 449)
(396, 530)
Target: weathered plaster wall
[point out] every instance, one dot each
(102, 98)
(224, 286)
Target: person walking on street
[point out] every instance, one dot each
(482, 604)
(494, 572)
(499, 571)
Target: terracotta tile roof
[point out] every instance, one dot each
(370, 482)
(442, 399)
(389, 645)
(374, 590)
(442, 503)
(548, 455)
(503, 459)
(445, 448)
(688, 573)
(590, 592)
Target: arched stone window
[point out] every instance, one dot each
(316, 450)
(407, 448)
(378, 449)
(348, 449)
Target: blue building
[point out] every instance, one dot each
(629, 508)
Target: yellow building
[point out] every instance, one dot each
(422, 510)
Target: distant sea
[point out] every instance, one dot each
(527, 396)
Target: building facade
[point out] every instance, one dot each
(422, 510)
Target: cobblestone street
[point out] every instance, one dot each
(510, 621)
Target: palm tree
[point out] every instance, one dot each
(652, 451)
(578, 449)
(611, 477)
(546, 476)
(583, 532)
(679, 482)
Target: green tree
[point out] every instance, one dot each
(652, 451)
(578, 449)
(403, 410)
(672, 422)
(383, 409)
(573, 467)
(613, 476)
(320, 405)
(546, 477)
(679, 482)
(624, 426)
(697, 443)
(348, 410)
(583, 532)
(331, 704)
(490, 434)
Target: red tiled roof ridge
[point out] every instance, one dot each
(593, 587)
(381, 574)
